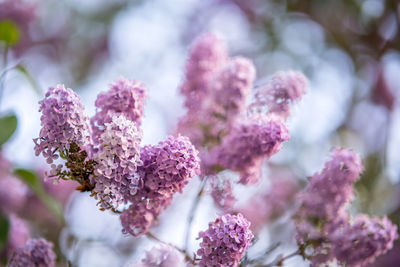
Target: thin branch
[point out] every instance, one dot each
(280, 259)
(192, 213)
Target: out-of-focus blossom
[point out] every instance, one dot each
(381, 92)
(19, 233)
(207, 56)
(13, 193)
(118, 158)
(163, 256)
(244, 149)
(225, 241)
(166, 169)
(323, 222)
(281, 90)
(63, 123)
(265, 207)
(327, 194)
(36, 253)
(360, 242)
(22, 14)
(221, 192)
(126, 97)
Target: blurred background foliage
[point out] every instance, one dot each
(349, 49)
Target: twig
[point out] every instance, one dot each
(279, 260)
(192, 213)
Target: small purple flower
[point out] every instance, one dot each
(225, 241)
(117, 157)
(36, 253)
(283, 89)
(63, 123)
(126, 97)
(359, 243)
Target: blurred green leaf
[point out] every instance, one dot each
(29, 78)
(33, 181)
(4, 228)
(8, 125)
(9, 32)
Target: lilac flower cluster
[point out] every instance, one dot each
(323, 223)
(126, 97)
(165, 170)
(359, 243)
(244, 149)
(63, 123)
(164, 256)
(36, 253)
(216, 120)
(109, 162)
(225, 241)
(117, 157)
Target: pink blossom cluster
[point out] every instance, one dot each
(225, 241)
(323, 223)
(216, 120)
(165, 171)
(106, 158)
(35, 253)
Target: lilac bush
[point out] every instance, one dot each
(229, 134)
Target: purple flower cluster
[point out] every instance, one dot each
(117, 157)
(244, 149)
(323, 222)
(13, 193)
(359, 243)
(283, 89)
(207, 56)
(165, 170)
(225, 241)
(63, 123)
(164, 256)
(36, 253)
(126, 97)
(216, 89)
(110, 163)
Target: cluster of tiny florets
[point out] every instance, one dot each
(323, 222)
(117, 157)
(359, 243)
(225, 241)
(244, 149)
(63, 123)
(166, 169)
(36, 253)
(125, 97)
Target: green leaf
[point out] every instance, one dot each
(9, 32)
(33, 181)
(8, 125)
(4, 228)
(29, 77)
